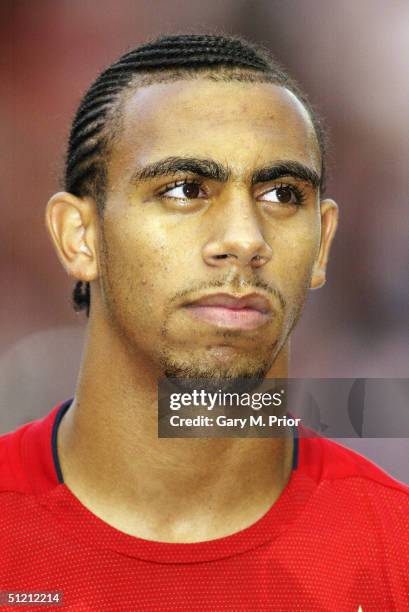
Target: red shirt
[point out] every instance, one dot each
(336, 539)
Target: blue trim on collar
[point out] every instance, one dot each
(296, 448)
(60, 413)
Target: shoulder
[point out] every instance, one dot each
(26, 456)
(12, 473)
(356, 485)
(340, 462)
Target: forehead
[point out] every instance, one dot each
(241, 124)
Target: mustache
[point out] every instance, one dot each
(228, 285)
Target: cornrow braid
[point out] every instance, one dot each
(97, 117)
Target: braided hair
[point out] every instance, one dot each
(97, 119)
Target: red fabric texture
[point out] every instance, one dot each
(336, 539)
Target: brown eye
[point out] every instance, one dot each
(184, 191)
(284, 195)
(191, 190)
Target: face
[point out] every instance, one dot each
(211, 227)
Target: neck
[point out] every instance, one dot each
(175, 490)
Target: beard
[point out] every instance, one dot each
(242, 377)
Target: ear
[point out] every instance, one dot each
(72, 225)
(329, 222)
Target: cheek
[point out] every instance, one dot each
(126, 271)
(142, 268)
(295, 252)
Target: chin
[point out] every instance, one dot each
(214, 377)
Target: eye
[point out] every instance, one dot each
(283, 194)
(183, 190)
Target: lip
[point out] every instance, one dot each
(231, 311)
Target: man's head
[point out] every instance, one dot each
(195, 168)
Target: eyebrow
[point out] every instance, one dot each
(286, 168)
(206, 168)
(210, 169)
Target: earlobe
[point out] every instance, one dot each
(71, 223)
(318, 278)
(329, 222)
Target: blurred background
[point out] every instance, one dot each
(352, 58)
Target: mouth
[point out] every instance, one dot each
(231, 312)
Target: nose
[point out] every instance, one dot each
(238, 239)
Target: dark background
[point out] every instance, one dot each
(351, 57)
